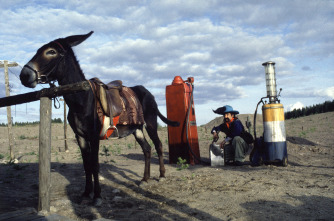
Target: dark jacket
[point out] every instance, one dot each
(235, 129)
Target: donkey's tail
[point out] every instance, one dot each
(167, 121)
(150, 105)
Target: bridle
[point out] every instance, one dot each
(42, 78)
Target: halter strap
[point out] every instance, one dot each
(60, 45)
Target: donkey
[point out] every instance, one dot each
(56, 61)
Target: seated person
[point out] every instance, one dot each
(235, 148)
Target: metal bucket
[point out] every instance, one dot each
(216, 155)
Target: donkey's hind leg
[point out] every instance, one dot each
(152, 130)
(140, 138)
(95, 170)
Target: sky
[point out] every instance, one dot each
(221, 43)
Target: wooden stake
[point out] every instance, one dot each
(65, 126)
(44, 154)
(9, 112)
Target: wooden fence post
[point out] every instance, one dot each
(9, 112)
(65, 125)
(44, 154)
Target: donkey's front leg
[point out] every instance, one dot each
(86, 155)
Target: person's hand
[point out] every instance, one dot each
(215, 137)
(222, 144)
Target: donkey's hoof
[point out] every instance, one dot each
(85, 201)
(143, 183)
(97, 202)
(162, 179)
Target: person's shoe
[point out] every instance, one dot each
(238, 163)
(229, 163)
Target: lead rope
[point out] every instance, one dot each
(55, 99)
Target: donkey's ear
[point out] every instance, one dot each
(74, 40)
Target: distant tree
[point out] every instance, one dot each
(331, 106)
(56, 120)
(327, 106)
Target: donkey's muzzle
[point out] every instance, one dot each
(28, 77)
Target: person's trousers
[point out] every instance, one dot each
(236, 150)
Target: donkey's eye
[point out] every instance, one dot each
(51, 52)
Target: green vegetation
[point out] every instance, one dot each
(31, 153)
(79, 156)
(305, 132)
(302, 134)
(328, 106)
(115, 150)
(55, 120)
(182, 163)
(105, 150)
(22, 137)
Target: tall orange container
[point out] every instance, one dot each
(182, 140)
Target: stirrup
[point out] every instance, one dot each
(115, 129)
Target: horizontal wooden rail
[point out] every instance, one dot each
(46, 92)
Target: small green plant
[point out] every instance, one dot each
(302, 134)
(31, 153)
(79, 155)
(22, 137)
(313, 129)
(129, 146)
(116, 150)
(182, 163)
(1, 156)
(105, 150)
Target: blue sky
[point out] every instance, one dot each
(222, 44)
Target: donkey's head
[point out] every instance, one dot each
(44, 66)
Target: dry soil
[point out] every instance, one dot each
(304, 190)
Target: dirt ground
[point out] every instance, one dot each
(304, 190)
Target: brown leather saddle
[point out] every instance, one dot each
(117, 100)
(109, 96)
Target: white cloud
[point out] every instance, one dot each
(326, 92)
(221, 43)
(297, 105)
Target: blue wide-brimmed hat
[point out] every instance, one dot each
(225, 109)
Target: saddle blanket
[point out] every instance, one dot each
(132, 114)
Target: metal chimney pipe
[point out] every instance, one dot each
(269, 67)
